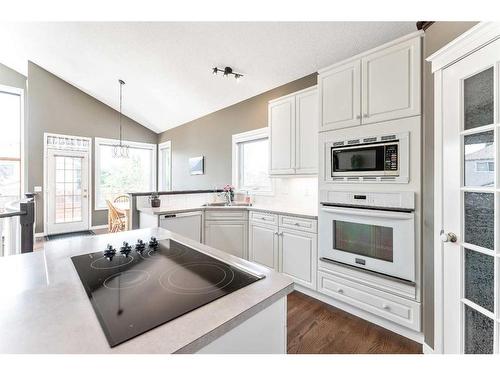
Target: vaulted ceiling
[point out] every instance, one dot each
(167, 66)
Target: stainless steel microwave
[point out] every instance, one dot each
(372, 156)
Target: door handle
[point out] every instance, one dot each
(448, 237)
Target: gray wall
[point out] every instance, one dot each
(436, 36)
(55, 106)
(9, 77)
(210, 136)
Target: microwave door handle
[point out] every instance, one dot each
(370, 213)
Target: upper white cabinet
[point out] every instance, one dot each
(306, 132)
(391, 82)
(293, 123)
(380, 85)
(282, 135)
(341, 96)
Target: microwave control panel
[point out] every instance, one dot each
(391, 158)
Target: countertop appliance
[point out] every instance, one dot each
(140, 287)
(372, 231)
(187, 224)
(383, 156)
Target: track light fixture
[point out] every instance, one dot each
(227, 71)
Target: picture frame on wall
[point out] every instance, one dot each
(197, 165)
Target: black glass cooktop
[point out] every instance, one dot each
(137, 288)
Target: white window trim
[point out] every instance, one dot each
(251, 135)
(110, 142)
(164, 146)
(45, 190)
(23, 136)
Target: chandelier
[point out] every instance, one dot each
(120, 150)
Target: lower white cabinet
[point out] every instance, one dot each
(290, 251)
(396, 309)
(229, 236)
(263, 245)
(298, 256)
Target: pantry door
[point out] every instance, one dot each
(67, 191)
(470, 269)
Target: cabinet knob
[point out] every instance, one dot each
(358, 117)
(276, 233)
(340, 290)
(386, 306)
(366, 115)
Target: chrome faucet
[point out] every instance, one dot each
(227, 197)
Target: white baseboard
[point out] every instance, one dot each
(427, 349)
(396, 328)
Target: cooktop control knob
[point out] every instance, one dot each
(153, 242)
(110, 252)
(140, 246)
(125, 249)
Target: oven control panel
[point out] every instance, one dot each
(391, 157)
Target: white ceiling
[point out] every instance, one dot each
(167, 65)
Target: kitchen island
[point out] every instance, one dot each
(45, 308)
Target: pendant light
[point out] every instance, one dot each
(120, 150)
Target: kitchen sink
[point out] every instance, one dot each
(223, 204)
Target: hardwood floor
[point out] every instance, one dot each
(315, 327)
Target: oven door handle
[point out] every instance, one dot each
(369, 213)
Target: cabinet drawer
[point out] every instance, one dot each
(264, 217)
(308, 225)
(390, 307)
(226, 214)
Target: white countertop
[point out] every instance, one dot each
(45, 308)
(277, 209)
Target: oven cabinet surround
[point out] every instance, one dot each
(286, 244)
(62, 320)
(227, 230)
(293, 123)
(378, 85)
(364, 293)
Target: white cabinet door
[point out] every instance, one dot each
(282, 136)
(391, 82)
(340, 92)
(263, 246)
(298, 252)
(228, 236)
(306, 156)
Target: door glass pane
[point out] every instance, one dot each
(478, 278)
(68, 189)
(479, 219)
(370, 240)
(478, 99)
(478, 332)
(479, 165)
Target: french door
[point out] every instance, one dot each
(67, 191)
(471, 196)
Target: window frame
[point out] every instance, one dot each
(167, 145)
(23, 155)
(249, 136)
(110, 142)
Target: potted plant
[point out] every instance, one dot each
(229, 190)
(154, 200)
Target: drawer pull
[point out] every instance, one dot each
(385, 306)
(297, 224)
(340, 291)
